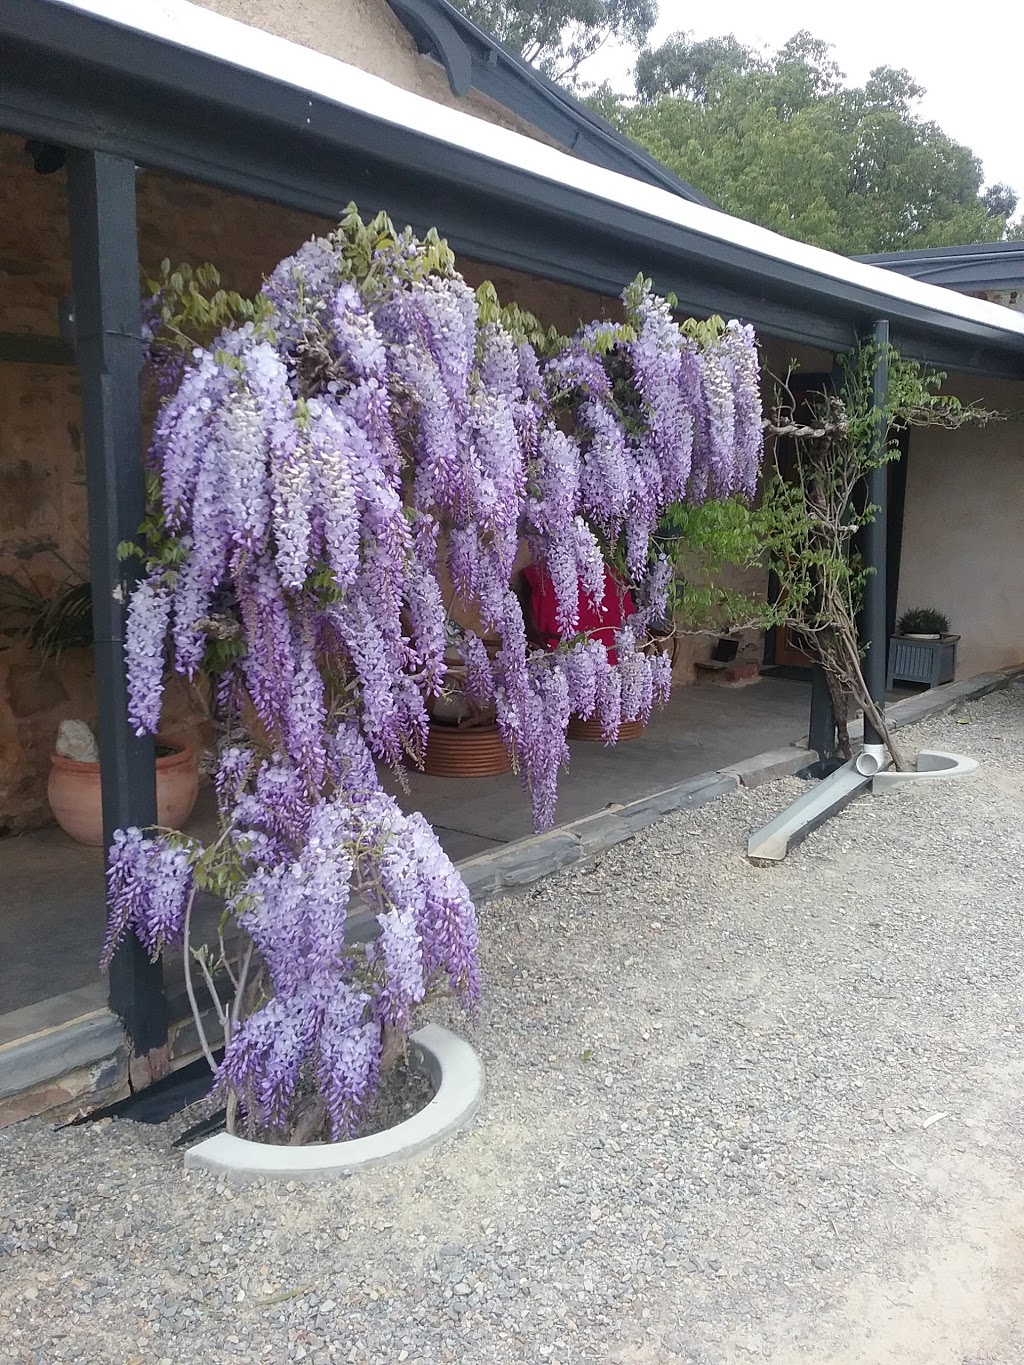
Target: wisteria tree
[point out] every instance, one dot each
(367, 422)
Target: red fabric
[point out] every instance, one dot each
(600, 623)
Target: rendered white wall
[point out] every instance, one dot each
(963, 536)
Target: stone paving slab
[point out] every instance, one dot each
(58, 1051)
(938, 700)
(598, 832)
(769, 767)
(697, 791)
(527, 860)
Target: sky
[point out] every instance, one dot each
(969, 58)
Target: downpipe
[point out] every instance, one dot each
(872, 759)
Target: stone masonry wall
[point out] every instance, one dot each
(43, 527)
(42, 477)
(43, 519)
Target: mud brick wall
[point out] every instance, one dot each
(43, 524)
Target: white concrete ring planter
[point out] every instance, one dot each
(932, 765)
(458, 1077)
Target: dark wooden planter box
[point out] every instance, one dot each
(931, 662)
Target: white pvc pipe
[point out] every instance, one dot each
(872, 759)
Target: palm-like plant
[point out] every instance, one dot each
(48, 623)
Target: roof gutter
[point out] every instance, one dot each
(78, 79)
(475, 59)
(996, 266)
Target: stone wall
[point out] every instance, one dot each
(562, 306)
(43, 515)
(42, 478)
(43, 525)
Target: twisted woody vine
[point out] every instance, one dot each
(365, 429)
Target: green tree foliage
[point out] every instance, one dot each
(683, 66)
(558, 35)
(1000, 200)
(780, 140)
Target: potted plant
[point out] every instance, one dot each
(463, 738)
(922, 650)
(922, 623)
(51, 625)
(74, 790)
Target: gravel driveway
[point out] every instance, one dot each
(735, 1114)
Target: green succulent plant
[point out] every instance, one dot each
(923, 621)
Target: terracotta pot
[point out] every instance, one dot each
(74, 792)
(591, 732)
(466, 751)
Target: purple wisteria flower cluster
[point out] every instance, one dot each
(370, 432)
(296, 866)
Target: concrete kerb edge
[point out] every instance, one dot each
(458, 1075)
(529, 860)
(937, 701)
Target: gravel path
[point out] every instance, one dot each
(734, 1114)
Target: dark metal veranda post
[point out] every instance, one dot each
(874, 618)
(821, 733)
(109, 348)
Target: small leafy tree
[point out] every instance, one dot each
(704, 541)
(808, 523)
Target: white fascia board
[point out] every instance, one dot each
(192, 27)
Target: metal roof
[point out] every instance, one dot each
(473, 59)
(178, 87)
(987, 265)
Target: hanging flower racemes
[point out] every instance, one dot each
(373, 429)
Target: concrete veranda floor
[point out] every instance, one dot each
(702, 728)
(51, 889)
